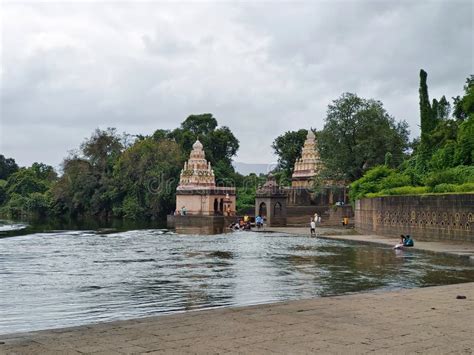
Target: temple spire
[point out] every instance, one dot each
(197, 172)
(309, 165)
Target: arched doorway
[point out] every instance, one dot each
(262, 210)
(221, 206)
(216, 206)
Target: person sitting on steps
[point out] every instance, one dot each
(408, 242)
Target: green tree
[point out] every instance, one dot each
(200, 124)
(464, 154)
(220, 144)
(441, 109)
(87, 186)
(288, 148)
(73, 192)
(102, 149)
(464, 106)
(427, 118)
(147, 175)
(8, 166)
(26, 192)
(24, 182)
(357, 135)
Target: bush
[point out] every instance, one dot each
(467, 187)
(377, 180)
(406, 190)
(402, 190)
(245, 198)
(131, 207)
(443, 188)
(456, 176)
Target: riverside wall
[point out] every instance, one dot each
(425, 217)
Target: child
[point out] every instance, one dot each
(313, 227)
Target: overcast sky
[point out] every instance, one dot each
(261, 68)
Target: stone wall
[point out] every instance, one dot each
(331, 216)
(427, 217)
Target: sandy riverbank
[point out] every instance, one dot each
(427, 320)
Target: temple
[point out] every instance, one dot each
(270, 202)
(309, 165)
(197, 193)
(329, 200)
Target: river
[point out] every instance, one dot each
(61, 278)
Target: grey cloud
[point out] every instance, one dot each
(262, 68)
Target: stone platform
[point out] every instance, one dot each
(449, 248)
(428, 320)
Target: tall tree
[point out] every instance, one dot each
(8, 166)
(441, 109)
(428, 122)
(102, 149)
(288, 148)
(220, 144)
(357, 135)
(464, 106)
(147, 175)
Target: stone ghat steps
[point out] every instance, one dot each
(330, 216)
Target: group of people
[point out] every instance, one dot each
(181, 212)
(245, 224)
(241, 224)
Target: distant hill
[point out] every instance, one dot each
(245, 168)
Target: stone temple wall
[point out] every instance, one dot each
(425, 217)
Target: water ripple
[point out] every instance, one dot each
(70, 277)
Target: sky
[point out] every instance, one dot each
(262, 68)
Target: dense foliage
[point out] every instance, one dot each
(112, 175)
(288, 148)
(27, 190)
(358, 134)
(442, 160)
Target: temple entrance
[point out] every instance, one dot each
(216, 206)
(262, 210)
(277, 209)
(221, 206)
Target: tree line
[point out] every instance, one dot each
(115, 175)
(441, 159)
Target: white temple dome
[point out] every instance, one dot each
(310, 135)
(197, 145)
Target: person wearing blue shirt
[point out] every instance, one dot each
(408, 242)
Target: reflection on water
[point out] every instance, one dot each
(64, 278)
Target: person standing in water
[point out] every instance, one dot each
(313, 227)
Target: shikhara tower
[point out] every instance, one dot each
(197, 190)
(309, 165)
(197, 172)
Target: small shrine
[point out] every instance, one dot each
(270, 203)
(309, 165)
(197, 193)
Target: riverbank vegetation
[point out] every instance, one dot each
(117, 176)
(442, 159)
(114, 175)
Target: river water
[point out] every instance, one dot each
(66, 278)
